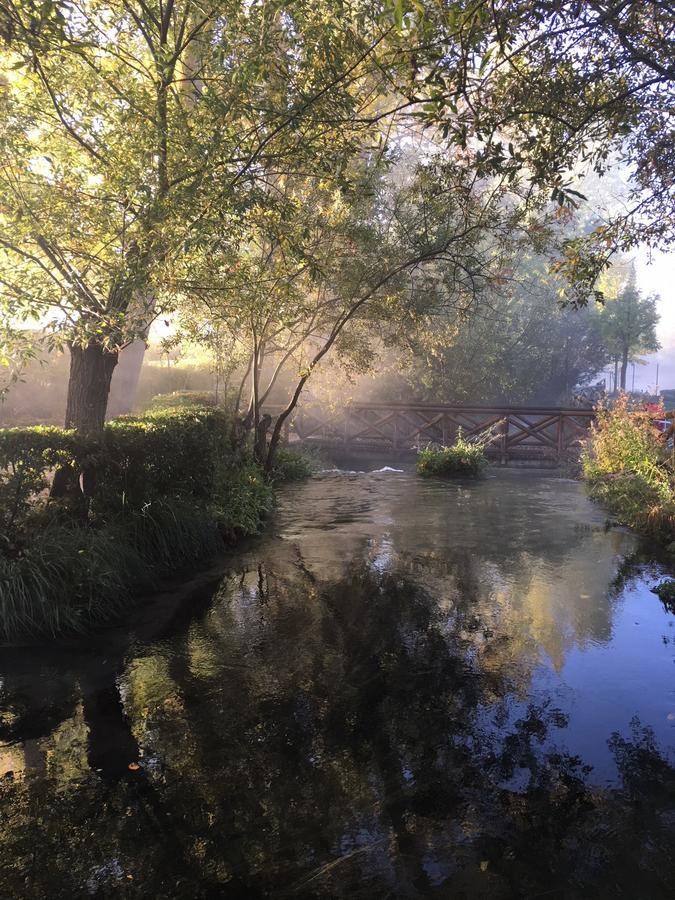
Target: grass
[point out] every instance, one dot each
(66, 580)
(70, 579)
(666, 594)
(465, 457)
(170, 490)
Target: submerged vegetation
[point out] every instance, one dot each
(629, 470)
(464, 457)
(147, 496)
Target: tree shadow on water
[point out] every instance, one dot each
(329, 739)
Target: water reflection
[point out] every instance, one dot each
(386, 696)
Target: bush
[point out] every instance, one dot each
(167, 453)
(628, 469)
(160, 491)
(464, 457)
(27, 457)
(293, 465)
(182, 399)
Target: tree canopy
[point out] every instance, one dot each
(157, 154)
(551, 89)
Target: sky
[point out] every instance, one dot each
(656, 275)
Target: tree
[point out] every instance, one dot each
(325, 269)
(128, 125)
(522, 348)
(548, 89)
(628, 325)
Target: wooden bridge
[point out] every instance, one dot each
(525, 435)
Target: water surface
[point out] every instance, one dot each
(405, 688)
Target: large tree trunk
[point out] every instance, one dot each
(91, 370)
(624, 368)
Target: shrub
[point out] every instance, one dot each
(167, 453)
(464, 457)
(242, 499)
(162, 491)
(182, 399)
(293, 465)
(27, 457)
(628, 469)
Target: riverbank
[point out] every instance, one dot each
(629, 470)
(152, 495)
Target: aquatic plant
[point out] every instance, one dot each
(465, 457)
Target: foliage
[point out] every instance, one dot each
(66, 579)
(629, 471)
(292, 465)
(321, 270)
(546, 91)
(27, 455)
(666, 594)
(628, 325)
(155, 126)
(206, 161)
(182, 399)
(464, 457)
(159, 492)
(522, 348)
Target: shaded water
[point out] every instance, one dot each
(406, 688)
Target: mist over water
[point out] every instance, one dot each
(405, 688)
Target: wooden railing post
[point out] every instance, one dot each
(504, 440)
(561, 428)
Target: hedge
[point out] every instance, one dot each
(150, 494)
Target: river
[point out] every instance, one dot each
(404, 688)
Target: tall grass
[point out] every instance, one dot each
(67, 580)
(465, 457)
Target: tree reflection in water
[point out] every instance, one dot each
(364, 728)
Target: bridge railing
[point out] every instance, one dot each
(543, 433)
